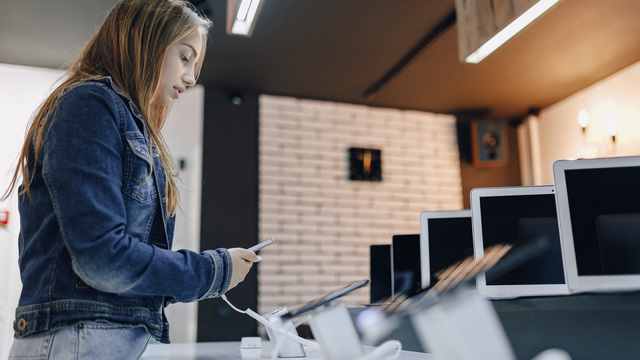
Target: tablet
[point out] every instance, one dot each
(406, 268)
(445, 239)
(516, 215)
(326, 299)
(598, 212)
(380, 273)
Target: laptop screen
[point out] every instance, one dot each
(517, 219)
(604, 206)
(450, 240)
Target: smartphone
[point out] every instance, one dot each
(262, 244)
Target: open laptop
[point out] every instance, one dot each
(445, 238)
(599, 216)
(516, 215)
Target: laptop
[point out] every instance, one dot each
(445, 239)
(599, 216)
(516, 215)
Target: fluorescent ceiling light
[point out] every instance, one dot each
(508, 32)
(245, 17)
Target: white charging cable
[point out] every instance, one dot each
(268, 324)
(378, 353)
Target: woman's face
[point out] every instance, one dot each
(178, 68)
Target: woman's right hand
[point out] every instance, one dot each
(243, 260)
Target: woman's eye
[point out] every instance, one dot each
(184, 59)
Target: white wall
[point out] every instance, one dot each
(560, 136)
(324, 222)
(183, 134)
(22, 91)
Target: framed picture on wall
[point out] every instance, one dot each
(489, 142)
(365, 164)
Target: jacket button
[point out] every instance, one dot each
(22, 324)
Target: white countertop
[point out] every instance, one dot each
(231, 350)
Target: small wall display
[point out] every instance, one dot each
(489, 142)
(4, 218)
(365, 164)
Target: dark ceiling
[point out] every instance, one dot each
(389, 53)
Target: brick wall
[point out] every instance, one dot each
(324, 222)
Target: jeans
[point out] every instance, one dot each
(89, 340)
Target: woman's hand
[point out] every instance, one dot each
(243, 260)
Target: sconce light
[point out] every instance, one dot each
(583, 120)
(612, 128)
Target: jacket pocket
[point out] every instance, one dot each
(138, 182)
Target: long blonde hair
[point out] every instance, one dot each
(129, 47)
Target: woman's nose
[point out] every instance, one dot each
(189, 79)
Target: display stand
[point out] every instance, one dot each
(333, 329)
(286, 348)
(463, 327)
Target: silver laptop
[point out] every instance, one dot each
(599, 215)
(516, 215)
(445, 238)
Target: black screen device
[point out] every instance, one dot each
(612, 192)
(380, 273)
(516, 219)
(450, 240)
(407, 271)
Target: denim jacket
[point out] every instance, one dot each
(95, 237)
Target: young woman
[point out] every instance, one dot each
(98, 195)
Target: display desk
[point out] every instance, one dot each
(231, 350)
(589, 326)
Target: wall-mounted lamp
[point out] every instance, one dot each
(242, 16)
(612, 128)
(583, 120)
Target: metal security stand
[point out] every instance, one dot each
(287, 348)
